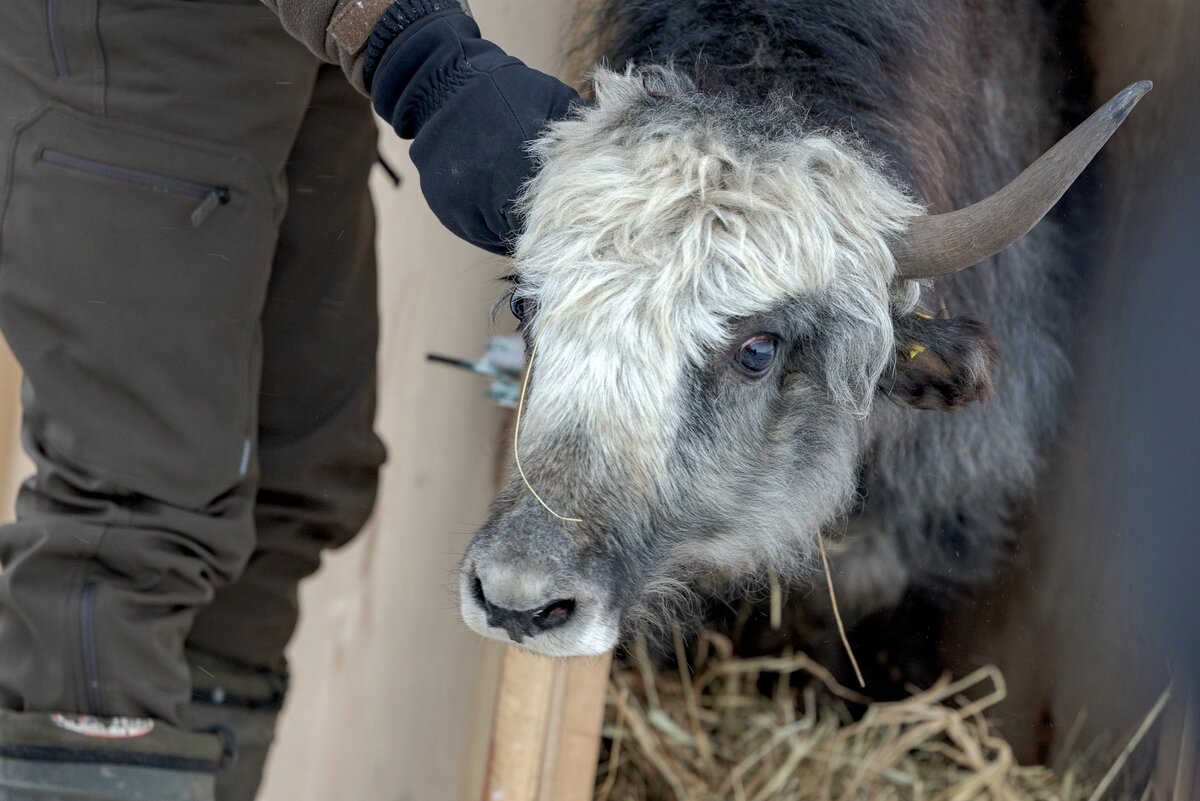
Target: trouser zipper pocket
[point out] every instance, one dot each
(62, 68)
(210, 197)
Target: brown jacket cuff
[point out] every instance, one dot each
(335, 30)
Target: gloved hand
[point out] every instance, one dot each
(469, 108)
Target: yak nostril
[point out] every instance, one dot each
(477, 591)
(520, 624)
(554, 614)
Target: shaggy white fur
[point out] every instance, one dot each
(655, 218)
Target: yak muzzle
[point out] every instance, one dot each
(524, 601)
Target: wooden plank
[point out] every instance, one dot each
(546, 730)
(523, 714)
(580, 715)
(14, 466)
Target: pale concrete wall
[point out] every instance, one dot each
(392, 696)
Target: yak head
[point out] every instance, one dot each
(710, 295)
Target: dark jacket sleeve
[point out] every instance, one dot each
(469, 108)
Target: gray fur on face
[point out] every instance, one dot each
(648, 272)
(668, 224)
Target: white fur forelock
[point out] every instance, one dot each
(652, 222)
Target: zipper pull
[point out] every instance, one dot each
(216, 197)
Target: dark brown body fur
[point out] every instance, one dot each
(958, 97)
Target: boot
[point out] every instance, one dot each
(48, 756)
(241, 699)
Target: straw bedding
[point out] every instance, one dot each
(709, 733)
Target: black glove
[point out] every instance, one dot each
(469, 108)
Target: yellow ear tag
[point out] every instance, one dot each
(915, 350)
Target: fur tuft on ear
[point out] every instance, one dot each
(941, 364)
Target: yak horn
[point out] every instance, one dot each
(938, 244)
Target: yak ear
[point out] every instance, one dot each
(941, 363)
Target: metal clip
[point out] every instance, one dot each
(502, 362)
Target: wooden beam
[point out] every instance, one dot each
(14, 466)
(545, 737)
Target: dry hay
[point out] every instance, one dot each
(712, 735)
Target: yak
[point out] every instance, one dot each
(764, 302)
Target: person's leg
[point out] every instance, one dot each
(317, 450)
(142, 151)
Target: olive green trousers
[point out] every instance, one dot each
(187, 278)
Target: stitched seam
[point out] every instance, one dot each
(491, 74)
(444, 83)
(460, 73)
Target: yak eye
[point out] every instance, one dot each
(756, 355)
(518, 305)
